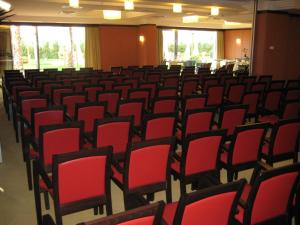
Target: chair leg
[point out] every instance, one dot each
(230, 175)
(46, 199)
(182, 187)
(150, 197)
(236, 175)
(37, 196)
(96, 210)
(29, 172)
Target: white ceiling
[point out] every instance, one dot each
(146, 12)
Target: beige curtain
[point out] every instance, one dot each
(160, 50)
(220, 45)
(6, 62)
(92, 47)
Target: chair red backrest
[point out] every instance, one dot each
(292, 94)
(193, 102)
(133, 81)
(276, 186)
(171, 81)
(57, 92)
(265, 78)
(115, 132)
(47, 87)
(148, 163)
(92, 90)
(260, 87)
(116, 70)
(140, 93)
(246, 144)
(29, 103)
(81, 180)
(88, 113)
(293, 84)
(215, 95)
(133, 108)
(138, 74)
(16, 88)
(112, 99)
(124, 88)
(150, 85)
(207, 82)
(236, 92)
(197, 120)
(27, 92)
(272, 100)
(232, 116)
(291, 109)
(164, 105)
(166, 92)
(79, 84)
(71, 99)
(189, 87)
(159, 126)
(214, 205)
(46, 116)
(251, 99)
(228, 82)
(248, 81)
(59, 139)
(107, 83)
(277, 84)
(285, 137)
(153, 77)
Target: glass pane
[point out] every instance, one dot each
(24, 46)
(169, 45)
(78, 39)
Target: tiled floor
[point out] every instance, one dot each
(17, 203)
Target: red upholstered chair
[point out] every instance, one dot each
(272, 102)
(150, 85)
(194, 121)
(140, 93)
(92, 90)
(89, 112)
(269, 196)
(17, 88)
(209, 81)
(248, 81)
(133, 81)
(277, 84)
(170, 82)
(115, 132)
(265, 78)
(116, 70)
(79, 181)
(56, 93)
(138, 74)
(244, 150)
(153, 77)
(166, 92)
(107, 83)
(157, 126)
(215, 95)
(261, 87)
(189, 87)
(133, 108)
(292, 94)
(111, 98)
(200, 157)
(39, 117)
(47, 87)
(235, 93)
(164, 105)
(124, 88)
(146, 171)
(290, 110)
(79, 84)
(284, 142)
(215, 206)
(293, 84)
(144, 215)
(232, 116)
(252, 100)
(71, 99)
(192, 102)
(228, 82)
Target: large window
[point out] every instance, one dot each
(190, 46)
(48, 47)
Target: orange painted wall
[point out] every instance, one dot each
(119, 46)
(277, 45)
(231, 49)
(148, 50)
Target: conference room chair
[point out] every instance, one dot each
(248, 81)
(166, 92)
(124, 88)
(111, 98)
(150, 85)
(107, 83)
(235, 93)
(229, 81)
(277, 84)
(141, 93)
(47, 87)
(292, 94)
(293, 84)
(153, 77)
(215, 95)
(170, 81)
(138, 74)
(209, 81)
(252, 100)
(56, 93)
(116, 70)
(91, 90)
(164, 105)
(272, 102)
(197, 101)
(189, 87)
(133, 81)
(70, 100)
(79, 84)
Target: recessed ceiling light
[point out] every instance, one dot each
(129, 5)
(74, 3)
(190, 19)
(5, 5)
(214, 11)
(112, 14)
(177, 8)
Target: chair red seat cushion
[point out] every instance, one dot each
(269, 119)
(169, 212)
(240, 215)
(117, 175)
(265, 149)
(176, 166)
(224, 157)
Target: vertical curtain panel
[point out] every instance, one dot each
(6, 62)
(92, 47)
(220, 45)
(160, 47)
